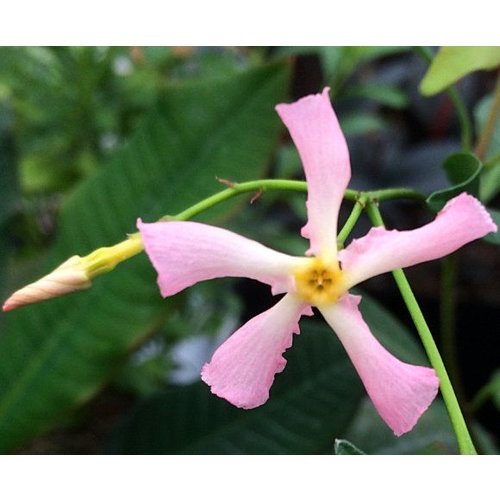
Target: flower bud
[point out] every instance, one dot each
(75, 274)
(69, 277)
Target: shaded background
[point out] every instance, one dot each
(92, 138)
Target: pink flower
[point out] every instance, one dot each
(243, 368)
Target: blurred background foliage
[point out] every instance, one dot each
(93, 137)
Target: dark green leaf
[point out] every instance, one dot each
(490, 391)
(495, 388)
(490, 181)
(392, 334)
(494, 237)
(384, 94)
(484, 440)
(453, 63)
(361, 123)
(433, 433)
(463, 170)
(343, 447)
(56, 355)
(9, 186)
(312, 402)
(340, 62)
(9, 193)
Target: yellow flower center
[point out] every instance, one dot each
(320, 282)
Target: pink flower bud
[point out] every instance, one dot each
(69, 277)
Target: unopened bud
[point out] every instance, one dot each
(69, 277)
(75, 274)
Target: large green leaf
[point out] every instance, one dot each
(432, 434)
(453, 63)
(312, 402)
(56, 355)
(9, 187)
(9, 193)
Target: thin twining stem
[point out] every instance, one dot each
(464, 439)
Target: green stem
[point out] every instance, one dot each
(393, 194)
(236, 189)
(263, 185)
(447, 317)
(357, 210)
(465, 444)
(463, 117)
(133, 246)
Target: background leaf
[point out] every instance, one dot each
(313, 401)
(494, 237)
(383, 94)
(340, 62)
(56, 355)
(9, 186)
(343, 447)
(481, 114)
(453, 63)
(432, 434)
(310, 403)
(463, 171)
(490, 181)
(355, 124)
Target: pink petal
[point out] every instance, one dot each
(184, 253)
(462, 220)
(316, 133)
(400, 392)
(242, 369)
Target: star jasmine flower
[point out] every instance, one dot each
(243, 368)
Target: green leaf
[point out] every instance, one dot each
(490, 391)
(9, 186)
(481, 114)
(495, 388)
(312, 402)
(463, 170)
(340, 62)
(484, 440)
(383, 94)
(56, 355)
(489, 185)
(9, 194)
(361, 123)
(433, 433)
(494, 237)
(343, 447)
(453, 63)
